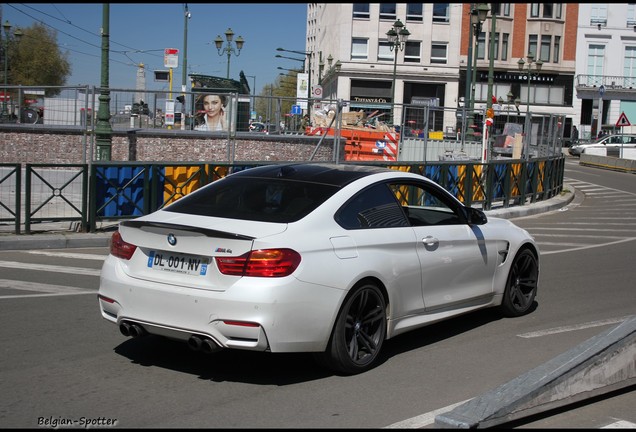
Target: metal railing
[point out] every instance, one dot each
(609, 81)
(103, 193)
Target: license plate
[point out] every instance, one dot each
(178, 263)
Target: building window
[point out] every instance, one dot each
(631, 14)
(361, 10)
(496, 53)
(629, 69)
(481, 46)
(547, 10)
(558, 10)
(598, 14)
(440, 12)
(414, 12)
(541, 94)
(557, 49)
(439, 53)
(384, 51)
(506, 9)
(388, 11)
(359, 49)
(504, 47)
(546, 44)
(534, 10)
(495, 9)
(532, 45)
(412, 52)
(595, 57)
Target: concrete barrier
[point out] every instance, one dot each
(602, 364)
(608, 162)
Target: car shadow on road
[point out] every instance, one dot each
(224, 366)
(280, 369)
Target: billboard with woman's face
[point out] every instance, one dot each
(211, 112)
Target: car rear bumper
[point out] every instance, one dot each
(280, 315)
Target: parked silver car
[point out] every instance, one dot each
(611, 143)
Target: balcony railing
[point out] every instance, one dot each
(609, 81)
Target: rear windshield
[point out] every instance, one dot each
(254, 198)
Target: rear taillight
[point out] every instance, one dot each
(119, 248)
(260, 263)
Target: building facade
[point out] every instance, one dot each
(350, 45)
(606, 67)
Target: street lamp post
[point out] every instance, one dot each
(510, 99)
(397, 36)
(530, 73)
(229, 49)
(478, 15)
(17, 35)
(184, 71)
(253, 92)
(103, 128)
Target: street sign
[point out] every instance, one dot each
(296, 109)
(622, 120)
(317, 91)
(171, 58)
(169, 118)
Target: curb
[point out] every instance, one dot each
(54, 241)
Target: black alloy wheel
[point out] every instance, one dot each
(359, 332)
(521, 287)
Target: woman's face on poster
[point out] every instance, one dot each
(212, 105)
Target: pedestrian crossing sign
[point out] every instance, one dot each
(622, 120)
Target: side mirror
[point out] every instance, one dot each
(475, 216)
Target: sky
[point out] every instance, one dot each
(140, 32)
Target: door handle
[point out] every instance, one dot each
(430, 241)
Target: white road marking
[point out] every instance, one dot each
(423, 419)
(588, 247)
(574, 327)
(46, 290)
(621, 424)
(51, 268)
(70, 255)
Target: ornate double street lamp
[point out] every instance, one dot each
(229, 49)
(529, 74)
(478, 14)
(397, 37)
(7, 36)
(510, 100)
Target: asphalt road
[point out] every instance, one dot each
(62, 363)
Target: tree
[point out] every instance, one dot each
(38, 60)
(278, 98)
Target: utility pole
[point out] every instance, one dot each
(184, 73)
(103, 129)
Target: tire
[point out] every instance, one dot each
(359, 332)
(522, 284)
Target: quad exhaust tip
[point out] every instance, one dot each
(196, 342)
(131, 329)
(204, 344)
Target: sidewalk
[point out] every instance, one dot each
(60, 235)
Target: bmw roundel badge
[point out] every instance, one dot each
(172, 239)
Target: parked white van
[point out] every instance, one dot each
(609, 145)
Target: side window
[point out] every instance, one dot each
(425, 205)
(374, 207)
